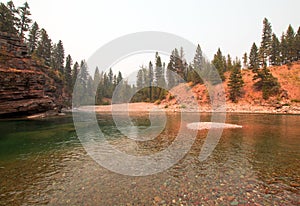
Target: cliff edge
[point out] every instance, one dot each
(27, 86)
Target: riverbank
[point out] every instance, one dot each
(230, 107)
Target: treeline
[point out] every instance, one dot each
(271, 52)
(154, 81)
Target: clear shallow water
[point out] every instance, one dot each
(43, 162)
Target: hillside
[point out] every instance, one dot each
(287, 101)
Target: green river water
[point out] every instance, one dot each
(43, 162)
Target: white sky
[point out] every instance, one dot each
(232, 25)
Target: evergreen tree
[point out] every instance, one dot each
(171, 70)
(96, 79)
(229, 62)
(90, 92)
(275, 51)
(235, 83)
(15, 13)
(290, 43)
(44, 47)
(179, 68)
(110, 76)
(198, 62)
(139, 81)
(297, 44)
(245, 60)
(151, 79)
(24, 19)
(83, 73)
(159, 73)
(33, 37)
(253, 58)
(119, 78)
(7, 20)
(219, 64)
(283, 50)
(266, 82)
(159, 92)
(68, 73)
(265, 46)
(75, 73)
(58, 56)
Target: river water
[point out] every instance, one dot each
(44, 162)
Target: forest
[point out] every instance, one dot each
(153, 81)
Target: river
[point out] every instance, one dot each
(43, 162)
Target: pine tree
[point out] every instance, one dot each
(58, 56)
(265, 46)
(68, 73)
(96, 79)
(171, 70)
(151, 79)
(283, 50)
(75, 73)
(83, 73)
(266, 82)
(198, 62)
(219, 64)
(159, 92)
(110, 76)
(159, 73)
(33, 37)
(44, 47)
(297, 44)
(15, 13)
(139, 80)
(275, 51)
(24, 19)
(290, 43)
(179, 68)
(245, 60)
(253, 58)
(235, 83)
(7, 20)
(119, 78)
(229, 62)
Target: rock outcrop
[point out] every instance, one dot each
(26, 86)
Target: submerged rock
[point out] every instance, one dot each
(211, 125)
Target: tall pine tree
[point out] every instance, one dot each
(68, 73)
(58, 56)
(253, 58)
(44, 47)
(275, 59)
(297, 44)
(220, 64)
(265, 46)
(24, 19)
(7, 20)
(33, 37)
(236, 82)
(290, 44)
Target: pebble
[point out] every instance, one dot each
(295, 184)
(157, 199)
(230, 198)
(234, 203)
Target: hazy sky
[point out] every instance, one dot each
(232, 25)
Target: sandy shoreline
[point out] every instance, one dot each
(232, 108)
